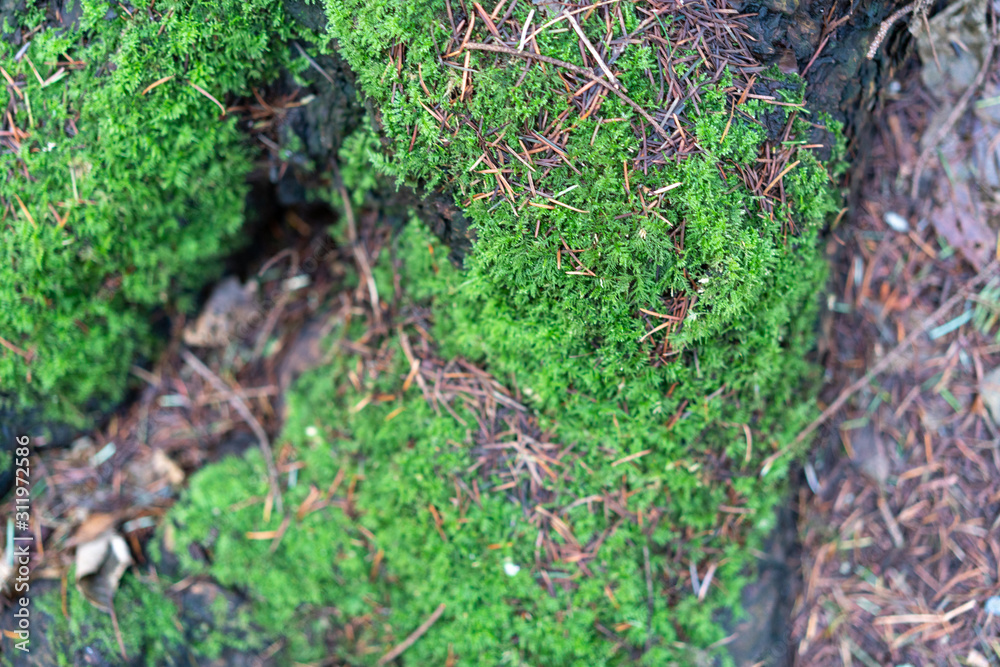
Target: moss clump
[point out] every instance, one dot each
(711, 241)
(557, 298)
(373, 557)
(696, 428)
(147, 620)
(118, 196)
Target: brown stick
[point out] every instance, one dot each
(888, 359)
(241, 407)
(478, 46)
(414, 636)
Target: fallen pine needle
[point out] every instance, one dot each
(414, 636)
(261, 534)
(208, 95)
(781, 175)
(631, 457)
(667, 188)
(241, 408)
(650, 333)
(14, 348)
(24, 209)
(160, 82)
(887, 360)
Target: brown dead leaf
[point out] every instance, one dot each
(92, 527)
(100, 564)
(959, 218)
(977, 659)
(989, 391)
(164, 466)
(230, 307)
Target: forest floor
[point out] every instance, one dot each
(898, 508)
(899, 518)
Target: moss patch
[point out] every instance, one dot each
(118, 194)
(147, 619)
(374, 558)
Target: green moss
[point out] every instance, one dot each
(130, 196)
(733, 251)
(698, 427)
(399, 458)
(146, 617)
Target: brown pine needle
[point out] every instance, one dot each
(658, 328)
(476, 46)
(414, 636)
(241, 408)
(631, 457)
(887, 360)
(158, 82)
(661, 315)
(13, 85)
(590, 47)
(208, 95)
(778, 178)
(14, 348)
(24, 209)
(559, 203)
(729, 122)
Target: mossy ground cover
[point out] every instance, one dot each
(121, 182)
(649, 298)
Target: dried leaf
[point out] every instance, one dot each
(989, 391)
(100, 565)
(962, 223)
(230, 307)
(92, 527)
(163, 466)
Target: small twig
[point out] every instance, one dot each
(241, 407)
(314, 64)
(477, 46)
(917, 7)
(888, 359)
(414, 636)
(953, 118)
(590, 47)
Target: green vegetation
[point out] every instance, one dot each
(148, 623)
(116, 196)
(677, 440)
(389, 461)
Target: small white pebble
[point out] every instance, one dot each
(993, 605)
(897, 222)
(312, 431)
(511, 569)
